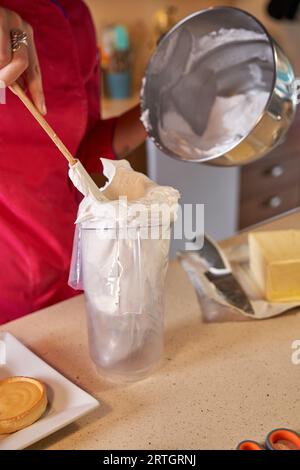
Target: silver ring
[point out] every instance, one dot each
(18, 38)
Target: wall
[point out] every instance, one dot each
(138, 16)
(286, 33)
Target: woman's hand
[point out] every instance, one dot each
(22, 63)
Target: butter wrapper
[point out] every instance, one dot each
(213, 306)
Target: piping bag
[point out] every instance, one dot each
(120, 265)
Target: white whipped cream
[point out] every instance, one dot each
(145, 118)
(231, 119)
(232, 116)
(223, 36)
(125, 191)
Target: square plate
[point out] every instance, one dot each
(67, 402)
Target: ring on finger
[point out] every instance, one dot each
(18, 38)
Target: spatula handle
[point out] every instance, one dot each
(17, 90)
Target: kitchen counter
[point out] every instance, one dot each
(219, 384)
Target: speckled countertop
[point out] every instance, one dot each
(219, 383)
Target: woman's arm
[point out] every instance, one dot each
(129, 132)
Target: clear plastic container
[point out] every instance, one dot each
(123, 276)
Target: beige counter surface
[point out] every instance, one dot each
(219, 383)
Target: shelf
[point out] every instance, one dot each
(111, 108)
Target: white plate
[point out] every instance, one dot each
(67, 402)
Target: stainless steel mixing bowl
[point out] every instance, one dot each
(201, 92)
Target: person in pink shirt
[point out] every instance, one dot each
(59, 68)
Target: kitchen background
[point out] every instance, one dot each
(234, 198)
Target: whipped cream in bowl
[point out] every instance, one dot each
(209, 86)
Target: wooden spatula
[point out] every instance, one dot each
(17, 90)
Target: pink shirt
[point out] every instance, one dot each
(37, 201)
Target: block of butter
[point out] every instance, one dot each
(275, 264)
